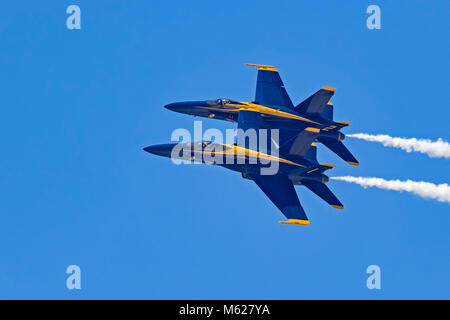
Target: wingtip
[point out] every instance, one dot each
(296, 222)
(262, 67)
(329, 89)
(337, 206)
(353, 163)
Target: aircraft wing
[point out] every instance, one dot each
(281, 192)
(316, 103)
(270, 88)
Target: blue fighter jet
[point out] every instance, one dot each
(296, 161)
(276, 110)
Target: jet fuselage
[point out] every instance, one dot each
(246, 161)
(274, 117)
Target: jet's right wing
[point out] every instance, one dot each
(270, 88)
(281, 192)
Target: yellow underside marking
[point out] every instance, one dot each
(344, 122)
(313, 170)
(330, 104)
(260, 109)
(329, 128)
(337, 207)
(219, 109)
(353, 163)
(266, 110)
(312, 130)
(329, 89)
(262, 67)
(240, 151)
(296, 221)
(236, 150)
(328, 165)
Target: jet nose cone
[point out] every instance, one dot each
(150, 149)
(177, 106)
(169, 106)
(188, 107)
(160, 150)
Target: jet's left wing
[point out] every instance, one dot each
(270, 88)
(281, 192)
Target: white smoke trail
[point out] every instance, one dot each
(435, 149)
(440, 192)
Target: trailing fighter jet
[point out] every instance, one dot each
(272, 102)
(297, 165)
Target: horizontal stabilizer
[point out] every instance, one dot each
(323, 192)
(338, 125)
(340, 149)
(321, 168)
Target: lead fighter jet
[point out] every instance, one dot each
(276, 110)
(297, 165)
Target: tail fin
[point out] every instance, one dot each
(297, 144)
(327, 113)
(316, 103)
(311, 154)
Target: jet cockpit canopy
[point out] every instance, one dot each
(219, 102)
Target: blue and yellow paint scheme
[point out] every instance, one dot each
(277, 111)
(298, 166)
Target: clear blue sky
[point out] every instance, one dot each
(78, 106)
